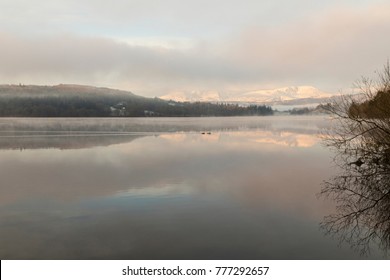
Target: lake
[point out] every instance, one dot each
(166, 188)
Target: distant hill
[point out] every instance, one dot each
(87, 101)
(62, 90)
(63, 101)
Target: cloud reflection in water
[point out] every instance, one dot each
(235, 193)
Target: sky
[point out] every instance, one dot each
(154, 48)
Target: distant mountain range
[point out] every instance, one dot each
(286, 95)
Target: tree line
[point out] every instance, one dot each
(119, 106)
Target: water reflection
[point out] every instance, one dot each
(246, 190)
(75, 133)
(28, 140)
(361, 187)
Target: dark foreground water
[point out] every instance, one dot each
(188, 188)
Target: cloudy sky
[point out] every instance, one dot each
(154, 47)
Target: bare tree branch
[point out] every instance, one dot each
(360, 137)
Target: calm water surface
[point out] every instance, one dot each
(175, 188)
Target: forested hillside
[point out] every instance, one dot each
(85, 101)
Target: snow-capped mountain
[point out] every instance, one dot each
(193, 96)
(268, 96)
(281, 94)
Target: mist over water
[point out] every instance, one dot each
(167, 188)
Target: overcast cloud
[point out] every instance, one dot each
(154, 47)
